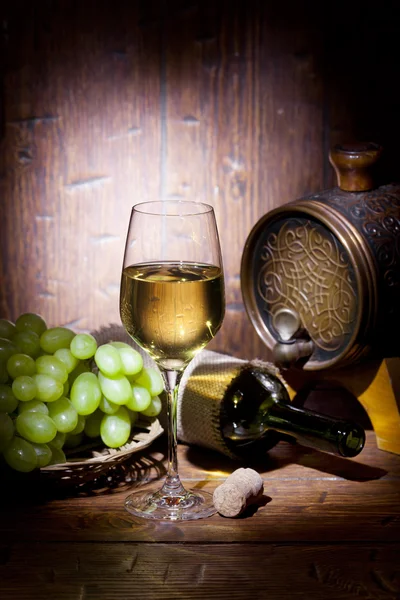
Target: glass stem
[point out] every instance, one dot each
(172, 485)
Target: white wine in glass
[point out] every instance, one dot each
(172, 303)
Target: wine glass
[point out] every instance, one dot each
(172, 303)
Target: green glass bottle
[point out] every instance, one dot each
(256, 413)
(243, 409)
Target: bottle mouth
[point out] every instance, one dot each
(352, 440)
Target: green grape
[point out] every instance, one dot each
(92, 425)
(21, 364)
(86, 393)
(140, 398)
(80, 426)
(43, 454)
(133, 416)
(64, 414)
(50, 365)
(82, 367)
(6, 430)
(120, 345)
(83, 346)
(48, 389)
(108, 407)
(31, 322)
(117, 389)
(35, 427)
(7, 349)
(8, 401)
(154, 409)
(24, 388)
(115, 429)
(151, 379)
(66, 357)
(108, 359)
(132, 361)
(55, 338)
(28, 342)
(57, 456)
(58, 441)
(4, 377)
(73, 440)
(20, 455)
(33, 406)
(7, 329)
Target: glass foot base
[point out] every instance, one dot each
(152, 503)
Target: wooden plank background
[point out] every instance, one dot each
(107, 103)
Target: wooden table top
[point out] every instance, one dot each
(326, 528)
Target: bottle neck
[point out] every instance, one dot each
(314, 430)
(257, 410)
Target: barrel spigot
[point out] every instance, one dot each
(293, 341)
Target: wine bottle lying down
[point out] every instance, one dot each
(242, 408)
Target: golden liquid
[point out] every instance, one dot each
(172, 310)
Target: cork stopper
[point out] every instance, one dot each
(353, 165)
(242, 488)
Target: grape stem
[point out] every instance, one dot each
(172, 484)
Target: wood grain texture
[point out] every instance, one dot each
(325, 528)
(82, 137)
(233, 103)
(106, 103)
(294, 513)
(77, 571)
(308, 496)
(242, 90)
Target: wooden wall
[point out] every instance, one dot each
(106, 103)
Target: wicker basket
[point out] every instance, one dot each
(88, 462)
(92, 462)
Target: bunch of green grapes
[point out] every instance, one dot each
(58, 388)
